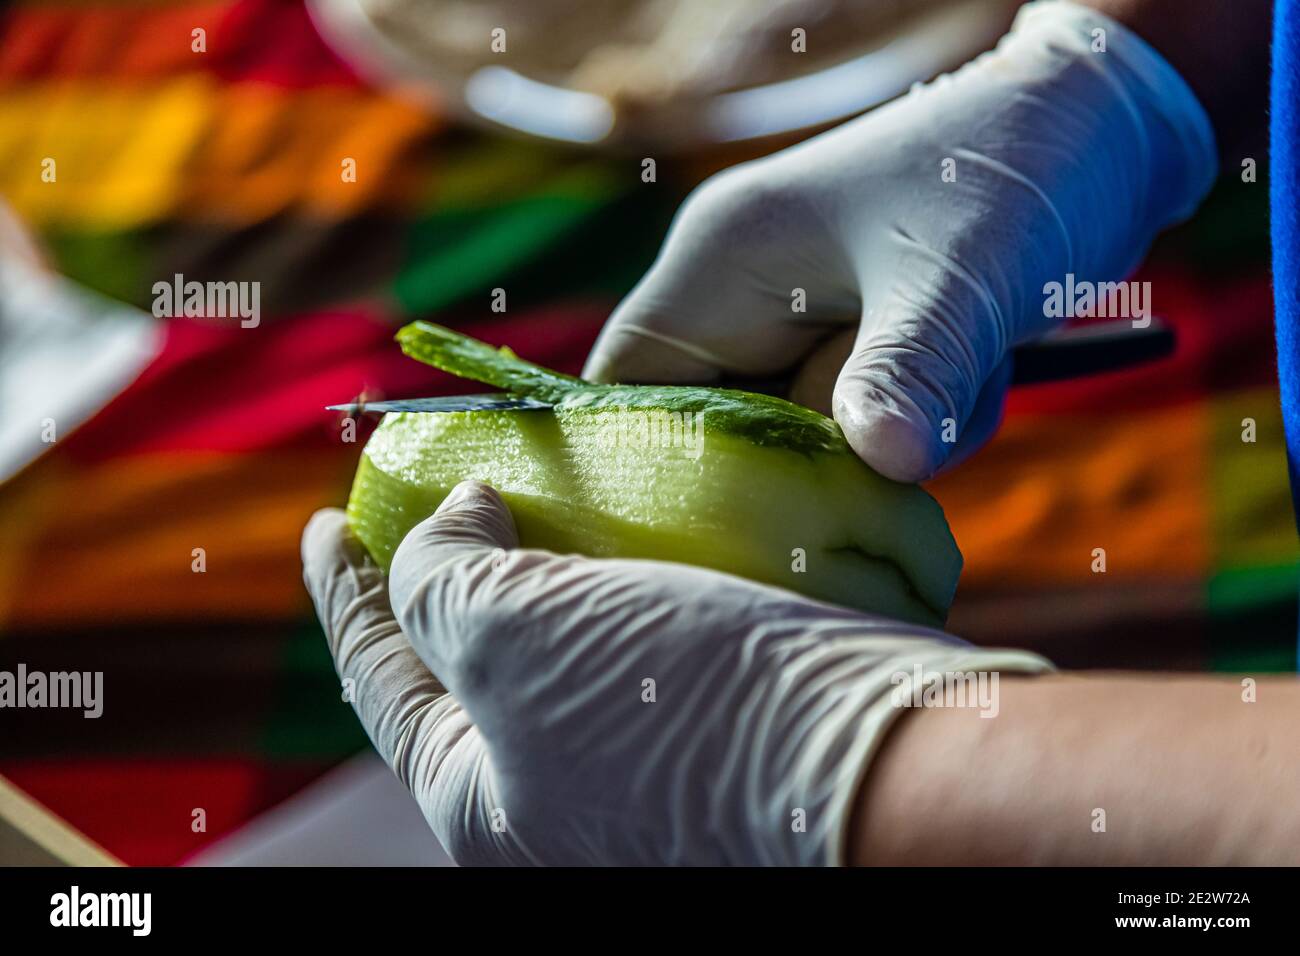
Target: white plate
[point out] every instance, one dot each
(502, 97)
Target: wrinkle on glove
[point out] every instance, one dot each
(1060, 159)
(544, 746)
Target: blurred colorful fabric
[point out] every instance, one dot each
(225, 165)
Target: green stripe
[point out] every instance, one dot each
(308, 716)
(1253, 619)
(115, 264)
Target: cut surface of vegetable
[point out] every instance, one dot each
(743, 483)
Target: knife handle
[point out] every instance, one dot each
(1074, 352)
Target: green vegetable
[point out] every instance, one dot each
(744, 483)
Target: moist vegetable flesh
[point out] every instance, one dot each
(748, 484)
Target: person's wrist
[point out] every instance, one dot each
(823, 762)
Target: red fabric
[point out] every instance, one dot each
(1224, 334)
(274, 41)
(227, 389)
(132, 41)
(266, 41)
(142, 811)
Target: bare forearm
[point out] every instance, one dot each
(1220, 47)
(1184, 770)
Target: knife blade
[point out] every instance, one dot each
(1089, 349)
(495, 401)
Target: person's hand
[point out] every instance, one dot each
(563, 710)
(926, 230)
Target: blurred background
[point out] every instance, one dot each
(209, 138)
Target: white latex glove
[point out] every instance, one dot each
(1066, 160)
(535, 743)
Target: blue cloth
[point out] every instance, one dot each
(1284, 180)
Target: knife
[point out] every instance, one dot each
(442, 403)
(1066, 353)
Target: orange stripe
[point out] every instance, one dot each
(1031, 507)
(267, 152)
(114, 543)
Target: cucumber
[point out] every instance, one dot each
(744, 483)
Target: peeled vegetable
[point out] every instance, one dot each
(744, 483)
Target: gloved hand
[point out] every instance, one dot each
(928, 228)
(563, 710)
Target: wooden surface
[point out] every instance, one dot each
(30, 835)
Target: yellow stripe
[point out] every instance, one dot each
(118, 154)
(1252, 499)
(196, 149)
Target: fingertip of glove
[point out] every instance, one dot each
(473, 513)
(600, 367)
(892, 444)
(468, 494)
(327, 541)
(321, 528)
(472, 521)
